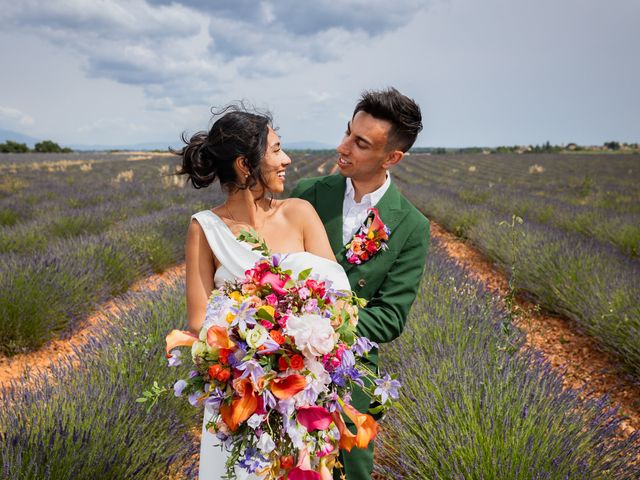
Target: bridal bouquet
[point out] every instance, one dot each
(274, 365)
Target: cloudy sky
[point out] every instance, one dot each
(485, 72)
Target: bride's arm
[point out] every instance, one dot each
(199, 277)
(314, 235)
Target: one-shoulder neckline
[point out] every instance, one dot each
(248, 245)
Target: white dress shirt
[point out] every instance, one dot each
(353, 213)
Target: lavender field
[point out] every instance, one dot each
(478, 407)
(576, 250)
(77, 229)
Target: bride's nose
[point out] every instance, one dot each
(286, 160)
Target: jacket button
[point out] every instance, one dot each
(362, 282)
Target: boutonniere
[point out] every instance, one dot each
(369, 240)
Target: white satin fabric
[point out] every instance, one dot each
(235, 258)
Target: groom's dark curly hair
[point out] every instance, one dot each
(401, 111)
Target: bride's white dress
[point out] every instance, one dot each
(235, 258)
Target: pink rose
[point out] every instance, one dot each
(271, 299)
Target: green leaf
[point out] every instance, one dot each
(264, 315)
(347, 333)
(376, 409)
(304, 274)
(141, 399)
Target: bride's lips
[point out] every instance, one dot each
(281, 174)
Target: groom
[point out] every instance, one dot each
(384, 126)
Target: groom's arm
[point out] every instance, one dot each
(384, 317)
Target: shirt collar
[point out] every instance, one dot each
(371, 198)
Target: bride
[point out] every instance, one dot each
(243, 152)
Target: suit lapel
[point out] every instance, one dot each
(329, 200)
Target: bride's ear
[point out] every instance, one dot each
(241, 167)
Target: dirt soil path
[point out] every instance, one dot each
(572, 354)
(13, 368)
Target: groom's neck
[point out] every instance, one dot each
(363, 186)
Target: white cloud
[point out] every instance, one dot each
(13, 115)
(191, 50)
(114, 124)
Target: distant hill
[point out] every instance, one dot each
(308, 145)
(17, 137)
(135, 146)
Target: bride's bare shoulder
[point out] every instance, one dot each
(296, 206)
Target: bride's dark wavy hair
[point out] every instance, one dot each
(210, 155)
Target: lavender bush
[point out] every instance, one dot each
(572, 271)
(474, 406)
(83, 421)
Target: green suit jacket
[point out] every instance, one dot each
(389, 280)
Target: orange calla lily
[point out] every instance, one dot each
(287, 387)
(377, 225)
(218, 337)
(366, 426)
(241, 407)
(180, 338)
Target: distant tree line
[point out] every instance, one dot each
(546, 147)
(46, 146)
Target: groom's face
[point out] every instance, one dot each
(363, 150)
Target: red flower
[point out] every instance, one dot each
(297, 362)
(277, 336)
(223, 375)
(214, 370)
(223, 356)
(286, 462)
(283, 363)
(317, 288)
(287, 387)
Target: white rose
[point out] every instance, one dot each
(256, 336)
(199, 349)
(313, 334)
(266, 443)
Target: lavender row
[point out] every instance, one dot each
(476, 405)
(606, 181)
(607, 213)
(593, 284)
(44, 295)
(83, 422)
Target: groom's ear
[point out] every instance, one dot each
(393, 158)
